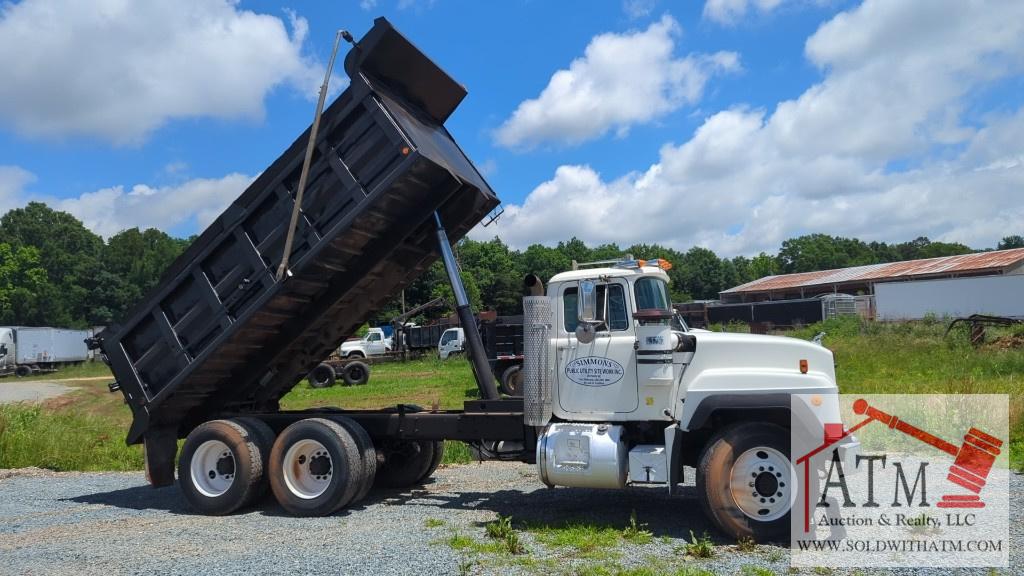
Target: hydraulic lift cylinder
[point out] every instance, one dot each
(481, 368)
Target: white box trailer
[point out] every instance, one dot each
(28, 349)
(950, 297)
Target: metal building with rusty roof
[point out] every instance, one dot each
(862, 279)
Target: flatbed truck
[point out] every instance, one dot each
(612, 395)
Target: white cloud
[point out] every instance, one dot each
(730, 11)
(879, 149)
(13, 180)
(621, 80)
(119, 70)
(368, 4)
(638, 8)
(109, 210)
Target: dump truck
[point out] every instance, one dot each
(613, 396)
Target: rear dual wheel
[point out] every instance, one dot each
(221, 466)
(318, 466)
(408, 462)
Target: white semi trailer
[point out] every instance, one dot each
(614, 394)
(25, 350)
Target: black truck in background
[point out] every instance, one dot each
(503, 344)
(502, 338)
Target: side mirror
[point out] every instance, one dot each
(587, 303)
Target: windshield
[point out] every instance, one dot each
(651, 293)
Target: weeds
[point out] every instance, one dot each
(636, 533)
(746, 544)
(460, 542)
(775, 556)
(502, 531)
(700, 547)
(586, 539)
(750, 570)
(433, 522)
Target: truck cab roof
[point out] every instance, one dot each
(610, 272)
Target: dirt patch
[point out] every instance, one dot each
(1015, 342)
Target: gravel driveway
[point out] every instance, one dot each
(113, 523)
(35, 391)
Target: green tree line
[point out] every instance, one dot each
(54, 271)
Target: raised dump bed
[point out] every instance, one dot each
(220, 333)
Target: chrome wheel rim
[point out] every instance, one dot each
(761, 484)
(212, 468)
(308, 469)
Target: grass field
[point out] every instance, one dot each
(85, 430)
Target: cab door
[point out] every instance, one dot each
(597, 380)
(374, 344)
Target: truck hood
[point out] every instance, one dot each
(755, 351)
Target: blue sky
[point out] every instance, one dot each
(731, 124)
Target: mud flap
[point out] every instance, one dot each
(673, 449)
(159, 448)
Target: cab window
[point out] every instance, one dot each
(616, 320)
(374, 337)
(651, 293)
(447, 337)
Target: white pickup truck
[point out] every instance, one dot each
(374, 343)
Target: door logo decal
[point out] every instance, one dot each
(594, 371)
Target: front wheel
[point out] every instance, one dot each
(746, 481)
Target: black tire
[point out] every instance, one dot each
(435, 462)
(264, 437)
(355, 373)
(244, 468)
(512, 381)
(406, 462)
(23, 371)
(344, 467)
(367, 453)
(714, 483)
(322, 376)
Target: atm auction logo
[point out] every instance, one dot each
(867, 488)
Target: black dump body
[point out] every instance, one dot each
(220, 334)
(503, 337)
(425, 337)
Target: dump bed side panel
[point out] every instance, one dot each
(221, 333)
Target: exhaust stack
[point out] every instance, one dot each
(534, 285)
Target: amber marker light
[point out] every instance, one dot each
(803, 366)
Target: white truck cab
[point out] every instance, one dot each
(374, 343)
(453, 341)
(626, 395)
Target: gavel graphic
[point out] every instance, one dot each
(973, 459)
